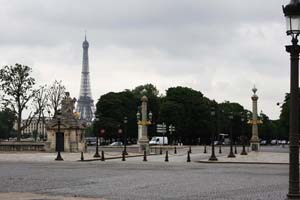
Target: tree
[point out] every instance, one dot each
(270, 129)
(111, 109)
(17, 85)
(285, 117)
(236, 110)
(56, 93)
(7, 119)
(189, 111)
(40, 102)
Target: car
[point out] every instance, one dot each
(283, 142)
(116, 144)
(273, 142)
(91, 140)
(263, 142)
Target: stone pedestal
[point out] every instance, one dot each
(144, 146)
(73, 138)
(72, 128)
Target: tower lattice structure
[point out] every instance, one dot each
(85, 104)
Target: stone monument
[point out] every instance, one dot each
(254, 142)
(144, 122)
(71, 126)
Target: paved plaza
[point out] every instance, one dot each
(37, 176)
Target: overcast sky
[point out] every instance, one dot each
(219, 47)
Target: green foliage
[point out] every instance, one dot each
(284, 117)
(237, 111)
(188, 110)
(111, 110)
(7, 119)
(89, 132)
(17, 85)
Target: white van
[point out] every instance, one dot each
(159, 140)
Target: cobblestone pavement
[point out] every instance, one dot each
(134, 179)
(30, 196)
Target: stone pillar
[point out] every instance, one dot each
(254, 142)
(144, 141)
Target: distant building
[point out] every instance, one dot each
(40, 128)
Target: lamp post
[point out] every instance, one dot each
(96, 155)
(292, 14)
(220, 114)
(125, 136)
(213, 156)
(231, 154)
(172, 130)
(243, 135)
(58, 146)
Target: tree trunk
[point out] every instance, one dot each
(19, 127)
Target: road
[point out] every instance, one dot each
(155, 179)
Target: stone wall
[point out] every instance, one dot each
(22, 146)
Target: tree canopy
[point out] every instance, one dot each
(7, 119)
(186, 109)
(17, 85)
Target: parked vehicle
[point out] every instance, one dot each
(224, 138)
(116, 144)
(273, 142)
(158, 140)
(263, 142)
(282, 142)
(90, 140)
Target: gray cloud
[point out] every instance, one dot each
(218, 47)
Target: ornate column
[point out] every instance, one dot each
(144, 122)
(254, 142)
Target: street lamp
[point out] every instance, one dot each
(231, 154)
(213, 156)
(292, 14)
(96, 155)
(125, 136)
(144, 122)
(58, 134)
(243, 119)
(172, 130)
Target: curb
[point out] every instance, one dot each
(252, 163)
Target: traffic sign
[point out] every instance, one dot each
(161, 128)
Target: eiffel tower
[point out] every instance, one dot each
(85, 104)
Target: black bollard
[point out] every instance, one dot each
(188, 157)
(59, 158)
(235, 149)
(102, 156)
(167, 157)
(82, 158)
(190, 149)
(175, 150)
(123, 156)
(145, 156)
(205, 149)
(220, 149)
(160, 151)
